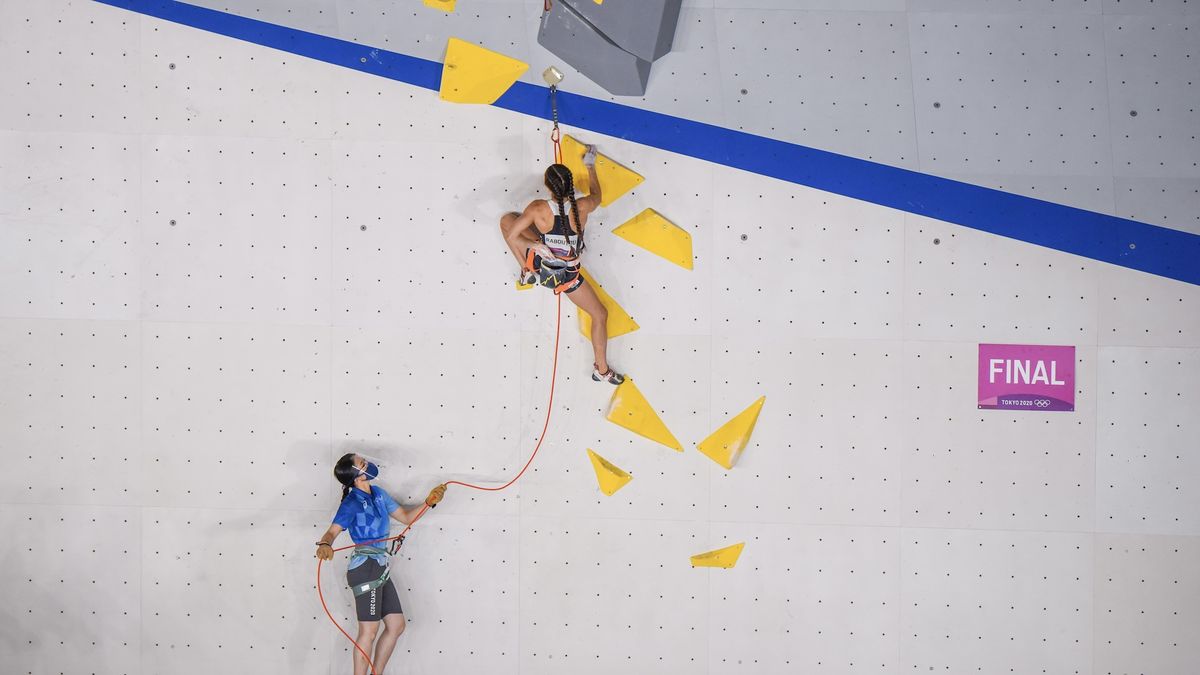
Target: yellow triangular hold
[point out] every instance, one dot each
(619, 322)
(660, 236)
(473, 74)
(629, 409)
(609, 475)
(615, 180)
(444, 5)
(723, 557)
(726, 444)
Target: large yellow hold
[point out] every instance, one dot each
(726, 444)
(660, 236)
(629, 409)
(444, 5)
(610, 476)
(619, 322)
(723, 557)
(473, 74)
(615, 180)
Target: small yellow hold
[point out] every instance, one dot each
(659, 236)
(609, 475)
(615, 180)
(445, 5)
(630, 409)
(723, 557)
(726, 444)
(619, 322)
(473, 74)
(522, 287)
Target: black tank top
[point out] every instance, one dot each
(561, 239)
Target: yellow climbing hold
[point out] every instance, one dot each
(660, 236)
(609, 475)
(619, 322)
(723, 557)
(629, 409)
(726, 444)
(444, 5)
(473, 74)
(615, 180)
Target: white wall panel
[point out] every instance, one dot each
(70, 412)
(231, 588)
(90, 84)
(583, 588)
(1154, 94)
(235, 415)
(1146, 464)
(836, 614)
(1142, 310)
(996, 602)
(825, 266)
(74, 588)
(334, 281)
(237, 229)
(836, 80)
(1145, 603)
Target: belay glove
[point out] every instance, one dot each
(435, 495)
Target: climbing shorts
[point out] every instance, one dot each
(377, 603)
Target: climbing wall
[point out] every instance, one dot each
(226, 265)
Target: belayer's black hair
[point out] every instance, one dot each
(562, 185)
(345, 472)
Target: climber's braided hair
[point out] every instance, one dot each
(562, 186)
(346, 472)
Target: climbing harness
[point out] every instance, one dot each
(376, 552)
(561, 276)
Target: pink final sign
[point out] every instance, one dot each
(1026, 377)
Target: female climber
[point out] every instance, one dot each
(364, 512)
(547, 241)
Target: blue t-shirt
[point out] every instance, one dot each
(365, 517)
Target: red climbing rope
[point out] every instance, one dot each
(425, 507)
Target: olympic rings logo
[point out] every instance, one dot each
(1041, 403)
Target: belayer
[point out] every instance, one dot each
(547, 241)
(364, 512)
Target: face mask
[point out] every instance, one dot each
(371, 472)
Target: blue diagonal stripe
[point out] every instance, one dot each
(1157, 250)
